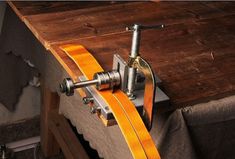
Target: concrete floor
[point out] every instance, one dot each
(22, 130)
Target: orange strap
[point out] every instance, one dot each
(132, 127)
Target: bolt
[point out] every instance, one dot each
(67, 87)
(131, 96)
(93, 110)
(87, 100)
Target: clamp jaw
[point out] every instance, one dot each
(135, 78)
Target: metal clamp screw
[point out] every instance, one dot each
(87, 100)
(95, 109)
(136, 28)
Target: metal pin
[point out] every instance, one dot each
(85, 83)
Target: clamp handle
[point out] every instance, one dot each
(144, 27)
(136, 28)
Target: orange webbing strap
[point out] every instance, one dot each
(132, 127)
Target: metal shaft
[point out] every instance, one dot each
(68, 85)
(134, 53)
(85, 83)
(135, 41)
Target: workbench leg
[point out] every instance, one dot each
(68, 141)
(50, 101)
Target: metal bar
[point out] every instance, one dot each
(153, 27)
(85, 83)
(134, 53)
(135, 41)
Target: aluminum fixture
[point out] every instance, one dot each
(136, 37)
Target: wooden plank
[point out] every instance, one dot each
(182, 58)
(41, 7)
(97, 21)
(71, 147)
(50, 101)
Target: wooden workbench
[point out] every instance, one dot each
(194, 54)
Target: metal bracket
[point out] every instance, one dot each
(121, 66)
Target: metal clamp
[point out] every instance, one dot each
(134, 77)
(149, 89)
(136, 62)
(136, 28)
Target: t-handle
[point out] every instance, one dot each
(136, 28)
(144, 27)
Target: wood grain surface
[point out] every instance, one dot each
(39, 7)
(193, 56)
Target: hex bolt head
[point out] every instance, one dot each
(87, 100)
(67, 87)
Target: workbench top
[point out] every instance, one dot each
(194, 55)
